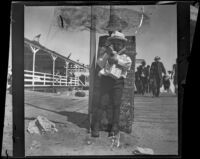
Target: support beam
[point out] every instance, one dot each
(66, 67)
(34, 51)
(54, 59)
(92, 63)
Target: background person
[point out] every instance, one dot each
(174, 76)
(147, 74)
(143, 78)
(138, 82)
(156, 70)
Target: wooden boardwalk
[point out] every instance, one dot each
(155, 125)
(156, 122)
(155, 119)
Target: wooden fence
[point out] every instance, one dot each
(40, 79)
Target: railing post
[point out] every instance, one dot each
(44, 79)
(77, 81)
(66, 67)
(34, 51)
(54, 58)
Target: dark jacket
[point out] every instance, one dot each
(141, 71)
(156, 70)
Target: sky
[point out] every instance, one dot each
(158, 39)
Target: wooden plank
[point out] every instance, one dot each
(92, 65)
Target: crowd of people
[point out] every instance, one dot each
(151, 79)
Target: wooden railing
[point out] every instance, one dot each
(77, 70)
(40, 79)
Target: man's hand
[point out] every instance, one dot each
(113, 59)
(110, 51)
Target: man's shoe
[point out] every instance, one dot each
(111, 133)
(115, 130)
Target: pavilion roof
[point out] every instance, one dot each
(41, 47)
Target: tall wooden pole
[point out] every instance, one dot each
(54, 58)
(92, 62)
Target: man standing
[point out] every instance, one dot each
(174, 75)
(156, 70)
(147, 73)
(142, 75)
(114, 64)
(138, 81)
(166, 83)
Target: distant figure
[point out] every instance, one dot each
(166, 83)
(147, 74)
(57, 76)
(73, 75)
(82, 79)
(58, 72)
(143, 77)
(156, 70)
(138, 83)
(174, 76)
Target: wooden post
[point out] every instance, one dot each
(66, 67)
(92, 63)
(44, 79)
(34, 51)
(54, 59)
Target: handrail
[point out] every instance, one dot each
(46, 79)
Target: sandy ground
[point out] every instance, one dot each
(7, 145)
(155, 126)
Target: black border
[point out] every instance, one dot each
(183, 44)
(4, 69)
(18, 63)
(17, 21)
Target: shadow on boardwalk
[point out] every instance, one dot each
(79, 119)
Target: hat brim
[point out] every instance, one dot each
(157, 58)
(117, 38)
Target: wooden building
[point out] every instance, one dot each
(44, 67)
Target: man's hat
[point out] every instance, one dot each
(143, 62)
(157, 58)
(117, 36)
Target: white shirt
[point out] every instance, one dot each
(115, 70)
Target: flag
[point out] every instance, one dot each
(37, 37)
(69, 55)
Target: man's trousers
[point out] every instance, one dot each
(112, 88)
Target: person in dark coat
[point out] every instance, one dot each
(174, 76)
(142, 75)
(147, 74)
(156, 70)
(166, 82)
(138, 81)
